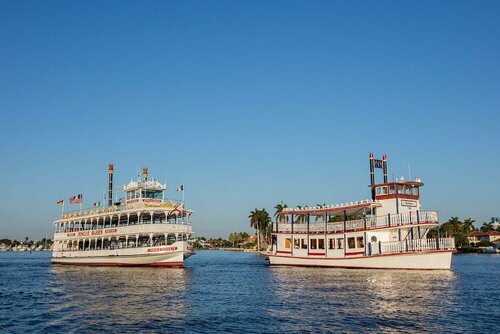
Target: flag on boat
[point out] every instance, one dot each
(180, 188)
(96, 204)
(76, 199)
(61, 202)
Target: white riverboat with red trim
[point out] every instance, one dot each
(142, 230)
(389, 231)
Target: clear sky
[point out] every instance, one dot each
(247, 103)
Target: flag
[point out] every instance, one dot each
(61, 202)
(180, 188)
(97, 204)
(76, 199)
(379, 163)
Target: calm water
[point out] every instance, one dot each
(236, 292)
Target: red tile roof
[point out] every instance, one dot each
(482, 234)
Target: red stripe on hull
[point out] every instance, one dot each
(349, 267)
(362, 257)
(109, 264)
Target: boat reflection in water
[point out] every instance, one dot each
(135, 297)
(380, 300)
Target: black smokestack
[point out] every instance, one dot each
(384, 161)
(110, 189)
(372, 175)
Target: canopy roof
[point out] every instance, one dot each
(149, 185)
(416, 183)
(352, 208)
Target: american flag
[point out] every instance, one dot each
(76, 199)
(180, 188)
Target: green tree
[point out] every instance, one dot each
(279, 215)
(260, 220)
(300, 218)
(455, 228)
(468, 225)
(486, 227)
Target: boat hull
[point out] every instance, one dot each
(434, 260)
(159, 256)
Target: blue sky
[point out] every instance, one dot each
(247, 103)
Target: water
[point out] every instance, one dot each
(236, 292)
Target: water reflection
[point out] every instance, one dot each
(364, 299)
(128, 297)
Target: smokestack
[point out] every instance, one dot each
(384, 161)
(372, 175)
(145, 173)
(110, 189)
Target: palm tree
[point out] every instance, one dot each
(255, 223)
(265, 224)
(279, 215)
(468, 225)
(487, 227)
(260, 220)
(300, 218)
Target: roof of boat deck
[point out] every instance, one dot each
(350, 208)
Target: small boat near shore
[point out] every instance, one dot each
(388, 231)
(142, 230)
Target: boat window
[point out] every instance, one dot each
(382, 190)
(314, 243)
(331, 243)
(340, 243)
(303, 244)
(360, 242)
(392, 189)
(321, 243)
(351, 243)
(296, 243)
(400, 189)
(414, 191)
(408, 190)
(287, 243)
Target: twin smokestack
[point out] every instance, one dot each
(378, 164)
(111, 169)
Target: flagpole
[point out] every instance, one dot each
(183, 203)
(62, 210)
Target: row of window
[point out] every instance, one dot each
(319, 243)
(144, 194)
(402, 189)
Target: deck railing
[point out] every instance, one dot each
(368, 223)
(391, 247)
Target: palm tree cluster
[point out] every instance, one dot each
(261, 221)
(454, 227)
(237, 237)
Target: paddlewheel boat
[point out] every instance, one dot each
(142, 230)
(389, 231)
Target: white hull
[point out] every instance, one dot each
(418, 260)
(156, 256)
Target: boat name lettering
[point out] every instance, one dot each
(98, 232)
(409, 203)
(110, 230)
(83, 233)
(71, 234)
(162, 249)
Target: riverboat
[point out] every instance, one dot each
(142, 229)
(388, 231)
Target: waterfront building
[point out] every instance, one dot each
(388, 231)
(142, 230)
(475, 237)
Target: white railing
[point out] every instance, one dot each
(368, 223)
(375, 248)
